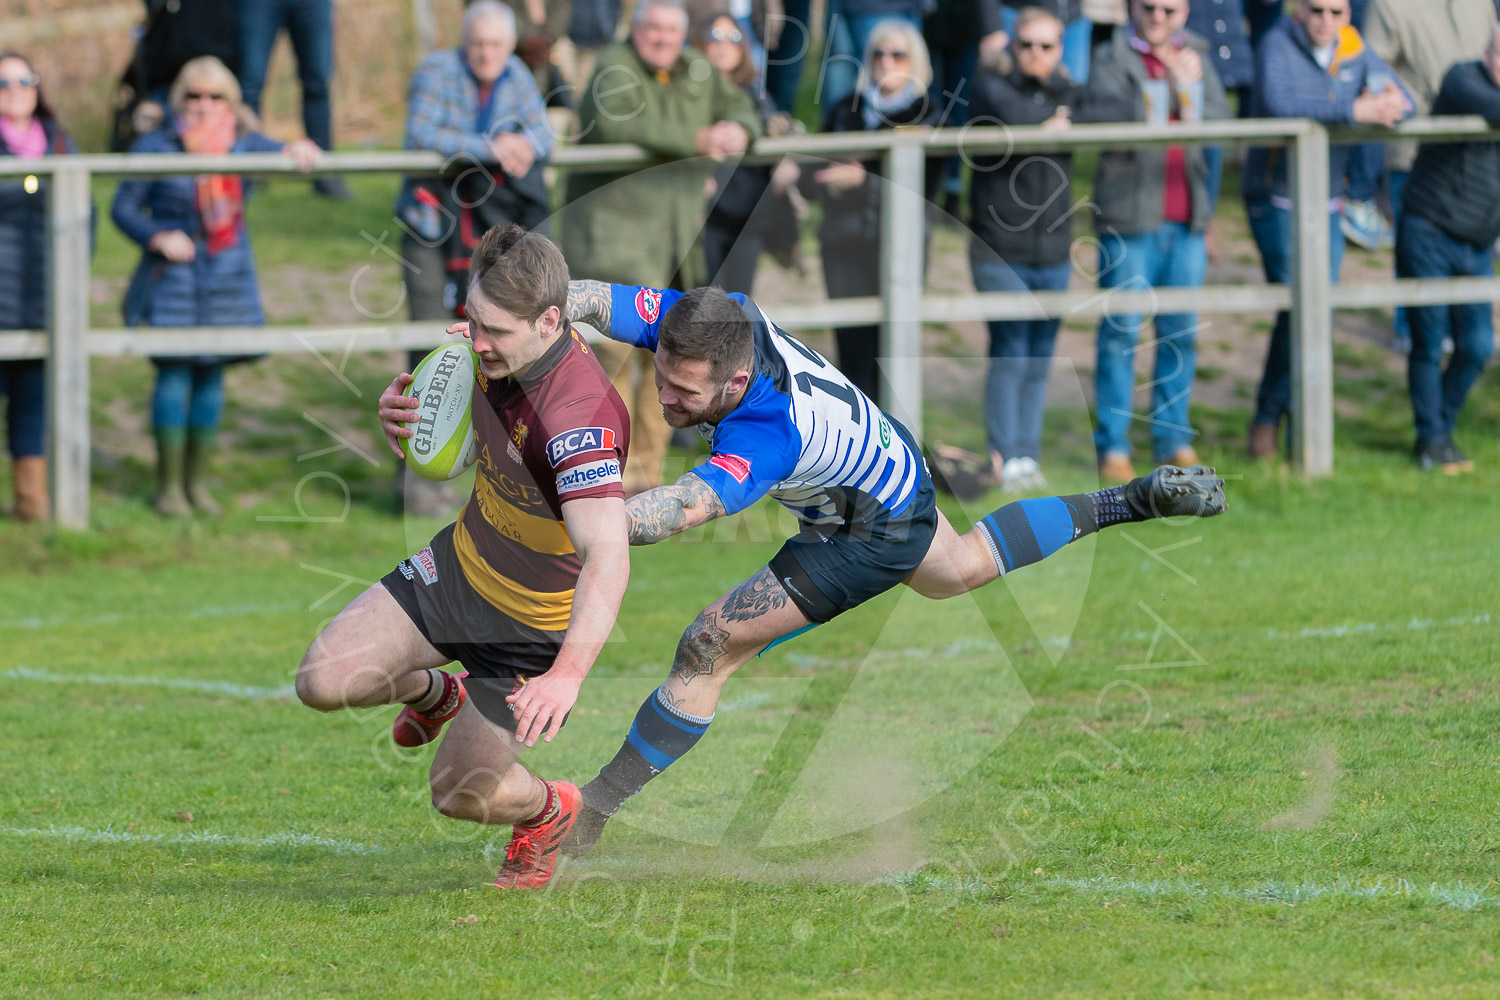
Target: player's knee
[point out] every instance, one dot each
(459, 803)
(469, 797)
(316, 684)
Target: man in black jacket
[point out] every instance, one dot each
(1022, 209)
(1450, 218)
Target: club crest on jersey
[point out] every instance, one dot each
(575, 442)
(518, 433)
(648, 304)
(736, 466)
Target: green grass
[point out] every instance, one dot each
(1252, 757)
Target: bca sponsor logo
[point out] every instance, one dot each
(583, 477)
(736, 466)
(426, 566)
(576, 442)
(648, 304)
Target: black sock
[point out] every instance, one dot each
(1028, 531)
(659, 735)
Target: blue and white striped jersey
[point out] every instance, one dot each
(802, 433)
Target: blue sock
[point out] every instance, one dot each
(1028, 531)
(659, 736)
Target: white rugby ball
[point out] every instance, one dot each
(443, 445)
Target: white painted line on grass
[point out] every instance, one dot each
(248, 692)
(210, 611)
(78, 834)
(1459, 895)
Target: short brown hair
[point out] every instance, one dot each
(707, 325)
(520, 271)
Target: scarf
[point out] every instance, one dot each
(28, 142)
(875, 107)
(220, 197)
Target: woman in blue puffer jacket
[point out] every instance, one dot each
(196, 269)
(27, 129)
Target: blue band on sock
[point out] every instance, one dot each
(662, 734)
(1028, 531)
(1051, 523)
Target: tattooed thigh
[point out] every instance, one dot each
(759, 595)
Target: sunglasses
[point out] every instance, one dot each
(1153, 9)
(21, 81)
(1028, 45)
(726, 35)
(202, 95)
(1326, 11)
(897, 55)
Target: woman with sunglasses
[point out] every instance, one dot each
(28, 129)
(748, 206)
(891, 93)
(196, 268)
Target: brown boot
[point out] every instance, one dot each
(1115, 467)
(1262, 441)
(31, 488)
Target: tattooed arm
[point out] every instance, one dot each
(589, 302)
(667, 510)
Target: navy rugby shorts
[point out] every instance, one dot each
(828, 569)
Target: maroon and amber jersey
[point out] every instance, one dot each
(557, 433)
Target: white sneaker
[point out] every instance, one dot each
(1021, 475)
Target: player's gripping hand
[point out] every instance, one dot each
(544, 699)
(396, 410)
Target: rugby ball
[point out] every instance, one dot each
(443, 445)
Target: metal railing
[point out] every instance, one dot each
(901, 309)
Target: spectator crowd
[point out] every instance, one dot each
(697, 82)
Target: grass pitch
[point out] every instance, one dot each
(1250, 757)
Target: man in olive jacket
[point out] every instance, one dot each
(642, 227)
(1152, 206)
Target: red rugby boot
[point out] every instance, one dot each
(531, 855)
(414, 729)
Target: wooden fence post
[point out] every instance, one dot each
(67, 346)
(903, 214)
(1312, 307)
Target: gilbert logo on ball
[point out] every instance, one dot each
(443, 445)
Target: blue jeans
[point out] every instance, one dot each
(310, 25)
(24, 386)
(951, 70)
(1362, 175)
(187, 395)
(1272, 229)
(1171, 257)
(1075, 42)
(1401, 327)
(1020, 356)
(1437, 395)
(784, 62)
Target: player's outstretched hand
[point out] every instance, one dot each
(396, 410)
(1169, 491)
(541, 700)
